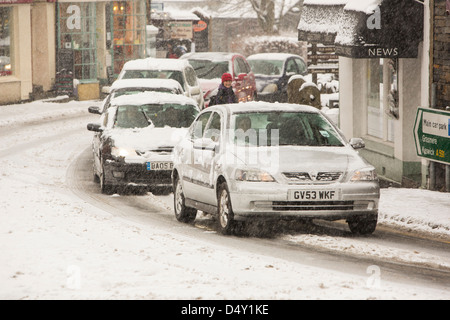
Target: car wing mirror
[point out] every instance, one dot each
(206, 144)
(357, 143)
(96, 127)
(94, 110)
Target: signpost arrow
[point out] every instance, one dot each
(432, 134)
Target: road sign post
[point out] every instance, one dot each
(432, 134)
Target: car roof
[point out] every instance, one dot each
(156, 64)
(272, 56)
(154, 98)
(145, 83)
(219, 56)
(262, 106)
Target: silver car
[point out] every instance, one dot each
(261, 160)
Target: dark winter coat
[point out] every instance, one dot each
(225, 95)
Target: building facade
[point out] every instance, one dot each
(387, 70)
(27, 48)
(47, 45)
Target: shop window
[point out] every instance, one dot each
(77, 32)
(129, 32)
(5, 41)
(382, 105)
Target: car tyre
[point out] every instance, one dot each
(104, 187)
(182, 213)
(224, 210)
(362, 225)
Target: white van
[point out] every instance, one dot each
(157, 68)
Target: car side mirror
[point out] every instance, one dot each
(96, 127)
(357, 143)
(94, 110)
(206, 144)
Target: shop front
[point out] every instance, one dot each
(27, 56)
(383, 73)
(95, 39)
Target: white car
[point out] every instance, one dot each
(262, 160)
(132, 86)
(158, 68)
(133, 143)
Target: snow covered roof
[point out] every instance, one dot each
(223, 9)
(362, 23)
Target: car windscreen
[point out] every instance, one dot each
(155, 74)
(266, 67)
(170, 114)
(131, 116)
(284, 128)
(207, 69)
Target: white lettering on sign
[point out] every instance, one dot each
(374, 21)
(74, 21)
(435, 124)
(383, 52)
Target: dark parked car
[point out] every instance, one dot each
(133, 142)
(210, 66)
(272, 72)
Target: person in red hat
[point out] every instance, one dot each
(225, 94)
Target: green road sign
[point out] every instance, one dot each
(432, 134)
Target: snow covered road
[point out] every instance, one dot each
(62, 239)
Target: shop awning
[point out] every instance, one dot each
(364, 28)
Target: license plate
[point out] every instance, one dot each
(314, 195)
(159, 165)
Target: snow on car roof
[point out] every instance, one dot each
(271, 56)
(265, 106)
(213, 56)
(153, 97)
(155, 64)
(145, 83)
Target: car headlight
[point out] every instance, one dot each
(122, 152)
(270, 88)
(253, 176)
(364, 175)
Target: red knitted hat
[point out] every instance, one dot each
(226, 77)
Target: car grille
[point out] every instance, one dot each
(312, 206)
(161, 150)
(296, 177)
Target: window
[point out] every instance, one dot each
(199, 125)
(381, 84)
(301, 65)
(291, 67)
(191, 77)
(128, 23)
(77, 32)
(5, 41)
(213, 130)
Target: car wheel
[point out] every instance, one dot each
(362, 226)
(104, 187)
(96, 176)
(182, 213)
(225, 210)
